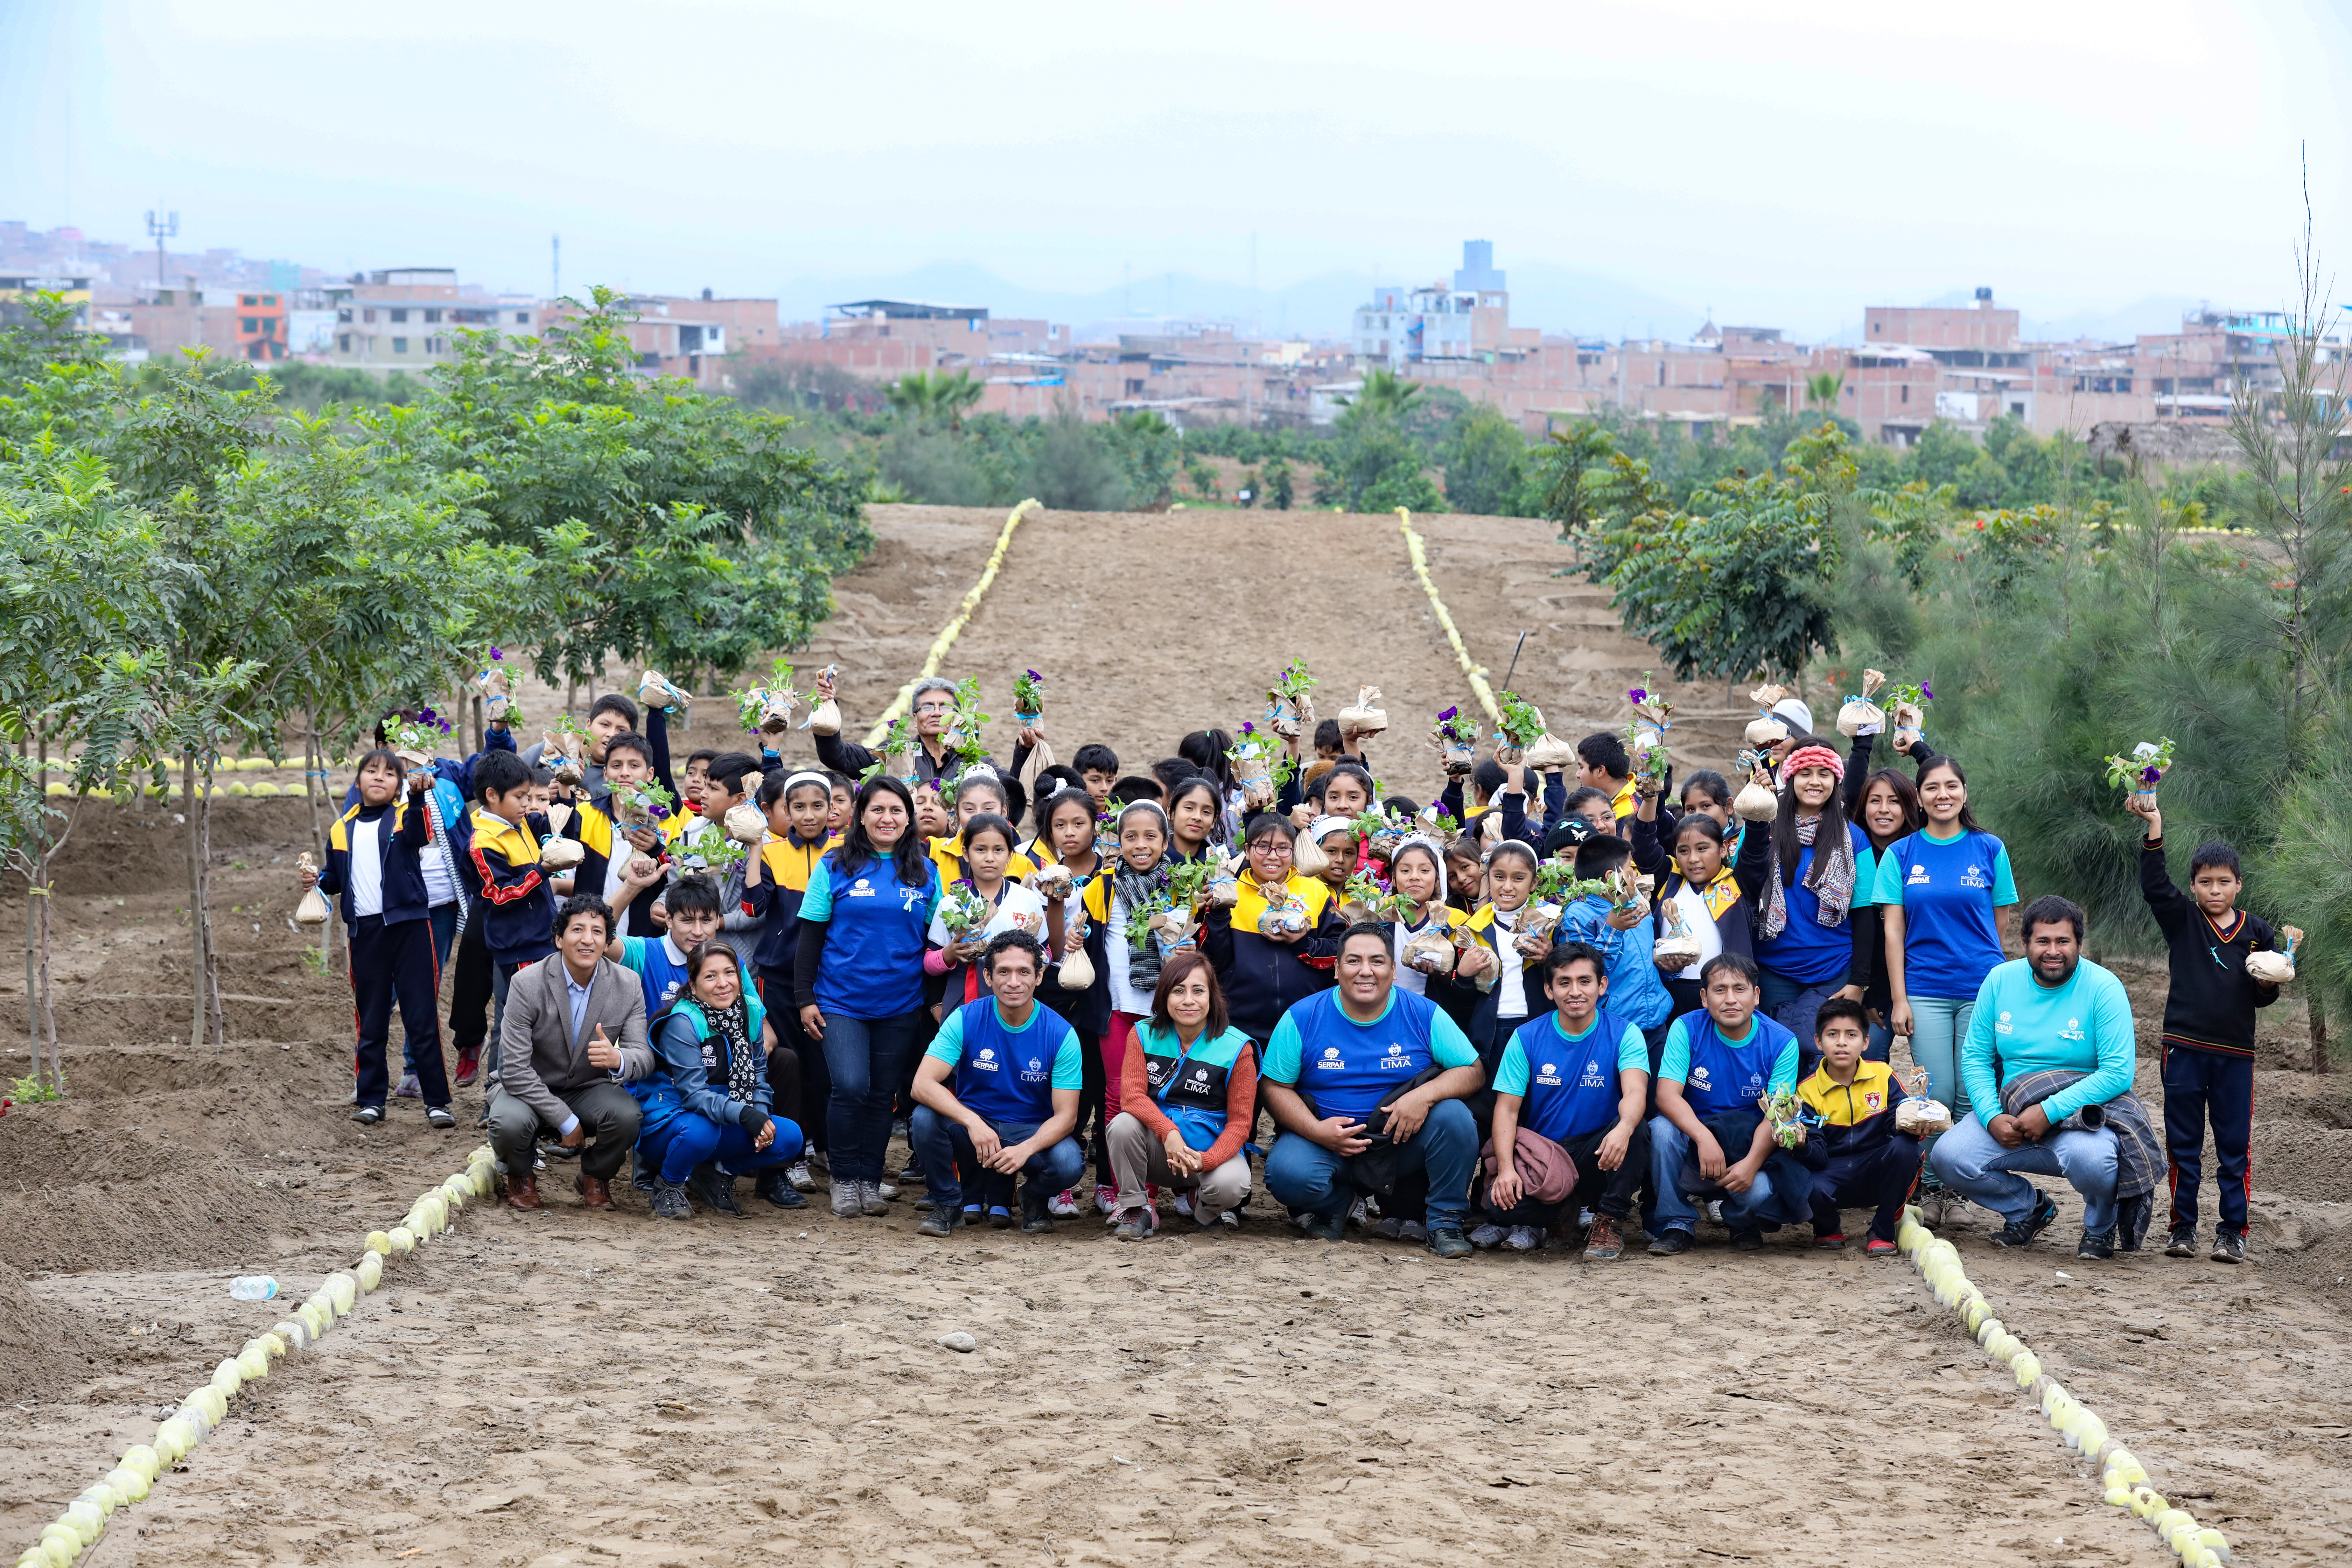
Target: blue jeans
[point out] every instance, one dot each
(689, 1139)
(1761, 1205)
(1972, 1163)
(950, 1162)
(1305, 1175)
(1792, 1003)
(1939, 1024)
(864, 1057)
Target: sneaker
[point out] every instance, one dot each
(716, 1188)
(1388, 1227)
(1357, 1216)
(2022, 1232)
(939, 1222)
(353, 1098)
(469, 1068)
(1035, 1221)
(797, 1173)
(670, 1201)
(1486, 1236)
(1601, 1242)
(818, 1160)
(1136, 1225)
(1000, 1217)
(2229, 1247)
(776, 1187)
(889, 1190)
(1325, 1227)
(899, 1129)
(1747, 1241)
(2101, 1245)
(873, 1198)
(1670, 1244)
(911, 1175)
(408, 1088)
(1182, 1203)
(847, 1203)
(1931, 1206)
(368, 1115)
(643, 1179)
(1447, 1241)
(1064, 1204)
(1523, 1239)
(2182, 1243)
(1715, 1210)
(1230, 1219)
(1829, 1240)
(1879, 1247)
(1107, 1203)
(439, 1116)
(1585, 1219)
(1412, 1230)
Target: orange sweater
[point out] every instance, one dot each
(1241, 1104)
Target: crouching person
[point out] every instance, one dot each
(996, 1097)
(1367, 1083)
(1576, 1080)
(1190, 1093)
(1717, 1065)
(572, 1039)
(708, 1120)
(1871, 1163)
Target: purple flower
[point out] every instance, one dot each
(1034, 675)
(496, 654)
(2150, 776)
(1639, 694)
(657, 812)
(1449, 713)
(426, 716)
(1248, 728)
(1927, 692)
(444, 726)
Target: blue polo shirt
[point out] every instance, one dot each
(1348, 1068)
(1948, 889)
(876, 927)
(1567, 1083)
(1719, 1075)
(1003, 1073)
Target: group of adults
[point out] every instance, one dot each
(1553, 1077)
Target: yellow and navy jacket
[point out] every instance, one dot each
(1262, 979)
(402, 834)
(594, 825)
(1857, 1119)
(503, 871)
(786, 864)
(947, 854)
(1730, 898)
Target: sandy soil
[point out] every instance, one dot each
(580, 1388)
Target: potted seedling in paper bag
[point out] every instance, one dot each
(2141, 770)
(1289, 711)
(1857, 714)
(1455, 736)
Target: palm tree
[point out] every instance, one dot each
(929, 395)
(1385, 392)
(1821, 390)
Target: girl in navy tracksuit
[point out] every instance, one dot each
(374, 870)
(775, 883)
(858, 975)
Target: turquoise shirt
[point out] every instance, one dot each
(2084, 1025)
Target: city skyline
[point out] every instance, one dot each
(2082, 164)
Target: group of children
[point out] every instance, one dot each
(1781, 954)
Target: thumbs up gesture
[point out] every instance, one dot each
(602, 1052)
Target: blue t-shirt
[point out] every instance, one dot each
(1719, 1075)
(1948, 889)
(1003, 1073)
(874, 940)
(1349, 1067)
(2022, 1025)
(1567, 1083)
(1806, 951)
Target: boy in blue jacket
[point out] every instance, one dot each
(1623, 937)
(374, 871)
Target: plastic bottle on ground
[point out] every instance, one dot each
(253, 1288)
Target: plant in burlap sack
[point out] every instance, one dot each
(1262, 764)
(1290, 709)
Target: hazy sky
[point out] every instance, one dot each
(1782, 163)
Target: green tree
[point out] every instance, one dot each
(1201, 478)
(1386, 396)
(935, 397)
(1148, 448)
(1486, 463)
(1073, 467)
(1822, 390)
(1281, 491)
(1372, 466)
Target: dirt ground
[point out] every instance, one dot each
(572, 1387)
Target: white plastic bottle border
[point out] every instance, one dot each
(85, 1519)
(2124, 1479)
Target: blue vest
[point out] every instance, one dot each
(1190, 1085)
(1572, 1086)
(1346, 1068)
(873, 964)
(1725, 1077)
(1007, 1074)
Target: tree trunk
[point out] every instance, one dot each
(314, 785)
(47, 987)
(2318, 1032)
(212, 947)
(32, 891)
(196, 965)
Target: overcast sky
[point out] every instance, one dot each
(1781, 163)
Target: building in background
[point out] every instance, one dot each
(1468, 320)
(16, 285)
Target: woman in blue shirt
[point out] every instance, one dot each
(864, 921)
(1822, 868)
(1940, 892)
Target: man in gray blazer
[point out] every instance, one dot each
(572, 1039)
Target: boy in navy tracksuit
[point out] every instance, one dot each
(373, 869)
(1872, 1163)
(504, 873)
(2209, 1030)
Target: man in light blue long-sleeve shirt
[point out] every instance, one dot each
(2050, 1011)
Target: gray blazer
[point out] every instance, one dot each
(540, 1056)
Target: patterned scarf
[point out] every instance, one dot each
(1142, 890)
(744, 1065)
(1833, 879)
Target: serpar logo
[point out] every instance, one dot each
(985, 1059)
(1332, 1061)
(2002, 1027)
(2073, 1031)
(1917, 878)
(860, 890)
(1548, 1074)
(1699, 1079)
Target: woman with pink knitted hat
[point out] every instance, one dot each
(1821, 868)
